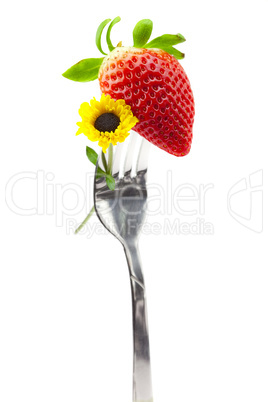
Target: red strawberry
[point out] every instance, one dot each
(151, 80)
(156, 87)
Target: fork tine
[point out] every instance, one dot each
(129, 155)
(142, 162)
(117, 160)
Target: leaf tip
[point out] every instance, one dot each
(181, 37)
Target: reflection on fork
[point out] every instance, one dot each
(122, 211)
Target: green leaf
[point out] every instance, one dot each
(165, 40)
(92, 155)
(99, 33)
(110, 182)
(100, 173)
(84, 71)
(142, 32)
(108, 39)
(174, 52)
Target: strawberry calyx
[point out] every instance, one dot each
(88, 69)
(99, 34)
(108, 39)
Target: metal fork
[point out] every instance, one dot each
(122, 211)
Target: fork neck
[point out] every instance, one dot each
(133, 259)
(142, 382)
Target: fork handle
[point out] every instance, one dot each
(142, 380)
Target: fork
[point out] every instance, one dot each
(122, 212)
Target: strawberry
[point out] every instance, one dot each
(156, 87)
(150, 79)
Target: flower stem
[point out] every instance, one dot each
(103, 158)
(85, 220)
(110, 159)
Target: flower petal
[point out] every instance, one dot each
(90, 112)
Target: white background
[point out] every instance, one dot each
(65, 300)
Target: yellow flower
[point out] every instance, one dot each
(107, 121)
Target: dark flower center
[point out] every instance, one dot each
(107, 122)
